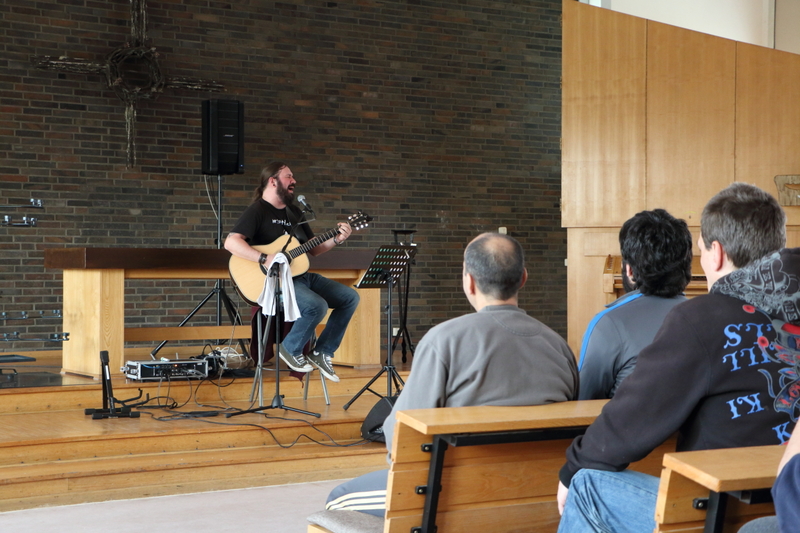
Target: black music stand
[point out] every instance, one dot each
(389, 264)
(263, 338)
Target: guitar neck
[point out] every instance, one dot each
(313, 243)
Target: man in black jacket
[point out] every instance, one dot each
(716, 372)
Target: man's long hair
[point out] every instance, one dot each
(658, 248)
(497, 264)
(270, 171)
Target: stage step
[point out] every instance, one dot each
(156, 474)
(52, 453)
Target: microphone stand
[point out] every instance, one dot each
(110, 410)
(263, 336)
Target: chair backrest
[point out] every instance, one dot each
(488, 487)
(493, 487)
(688, 478)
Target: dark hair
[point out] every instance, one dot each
(270, 171)
(748, 223)
(658, 247)
(497, 264)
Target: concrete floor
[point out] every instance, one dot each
(277, 509)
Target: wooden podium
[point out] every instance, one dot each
(94, 300)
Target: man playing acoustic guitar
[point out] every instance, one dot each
(267, 219)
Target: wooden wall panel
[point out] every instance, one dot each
(587, 249)
(603, 116)
(767, 117)
(657, 116)
(690, 118)
(792, 237)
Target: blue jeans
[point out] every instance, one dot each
(315, 294)
(610, 502)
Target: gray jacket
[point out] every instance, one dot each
(498, 356)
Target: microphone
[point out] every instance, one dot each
(302, 200)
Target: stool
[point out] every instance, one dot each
(324, 387)
(269, 351)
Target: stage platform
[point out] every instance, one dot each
(51, 453)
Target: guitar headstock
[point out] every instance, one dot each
(359, 220)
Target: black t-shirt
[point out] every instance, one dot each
(262, 223)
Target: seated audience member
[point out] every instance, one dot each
(713, 373)
(496, 356)
(656, 251)
(785, 493)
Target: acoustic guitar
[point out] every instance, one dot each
(249, 277)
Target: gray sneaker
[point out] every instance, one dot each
(297, 363)
(323, 362)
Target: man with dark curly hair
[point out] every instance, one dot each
(656, 253)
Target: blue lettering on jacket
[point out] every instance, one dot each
(750, 344)
(781, 432)
(751, 400)
(747, 353)
(735, 338)
(752, 355)
(760, 328)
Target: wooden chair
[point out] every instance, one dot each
(716, 490)
(498, 469)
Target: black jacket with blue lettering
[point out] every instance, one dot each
(722, 372)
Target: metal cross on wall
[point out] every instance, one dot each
(132, 71)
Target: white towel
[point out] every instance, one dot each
(290, 310)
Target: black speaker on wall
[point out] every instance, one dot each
(223, 137)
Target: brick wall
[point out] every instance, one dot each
(437, 115)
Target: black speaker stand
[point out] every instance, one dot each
(403, 336)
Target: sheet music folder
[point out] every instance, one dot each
(392, 259)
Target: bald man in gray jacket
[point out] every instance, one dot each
(496, 356)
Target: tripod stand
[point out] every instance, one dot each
(388, 264)
(276, 318)
(403, 289)
(110, 409)
(218, 290)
